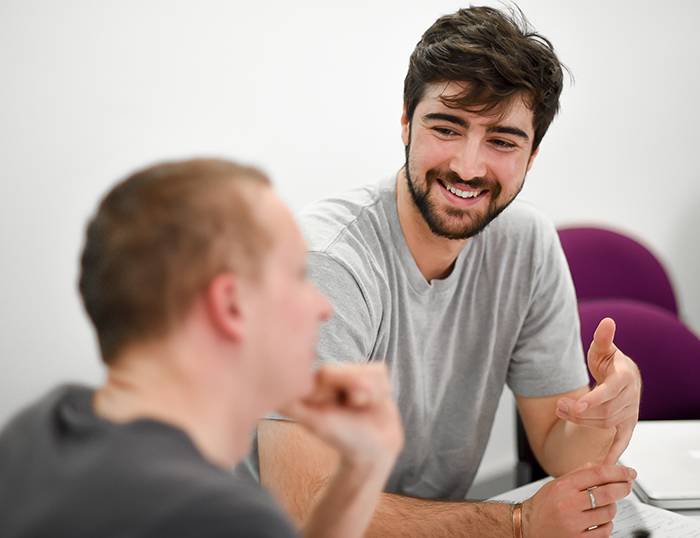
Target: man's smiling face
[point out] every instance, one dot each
(464, 168)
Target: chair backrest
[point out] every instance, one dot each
(606, 264)
(666, 351)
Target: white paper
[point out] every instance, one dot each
(633, 515)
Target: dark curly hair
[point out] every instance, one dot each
(497, 55)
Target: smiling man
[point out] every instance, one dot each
(445, 146)
(460, 290)
(441, 132)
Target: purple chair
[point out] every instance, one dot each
(606, 264)
(666, 351)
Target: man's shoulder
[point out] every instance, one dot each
(123, 471)
(41, 412)
(522, 221)
(358, 213)
(524, 212)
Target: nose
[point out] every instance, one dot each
(469, 161)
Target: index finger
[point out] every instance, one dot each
(599, 475)
(619, 444)
(602, 393)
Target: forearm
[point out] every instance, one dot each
(568, 446)
(562, 445)
(346, 504)
(398, 516)
(322, 506)
(310, 482)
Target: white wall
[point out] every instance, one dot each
(311, 91)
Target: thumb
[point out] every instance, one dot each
(602, 347)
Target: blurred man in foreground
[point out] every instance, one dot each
(194, 276)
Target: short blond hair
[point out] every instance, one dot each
(157, 240)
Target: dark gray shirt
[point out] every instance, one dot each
(64, 472)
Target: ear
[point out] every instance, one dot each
(405, 127)
(532, 158)
(223, 303)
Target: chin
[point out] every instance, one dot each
(307, 386)
(299, 388)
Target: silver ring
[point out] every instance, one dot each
(590, 493)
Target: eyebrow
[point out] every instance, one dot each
(441, 116)
(509, 130)
(457, 120)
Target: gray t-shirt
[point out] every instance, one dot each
(65, 472)
(506, 314)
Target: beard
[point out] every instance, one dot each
(453, 222)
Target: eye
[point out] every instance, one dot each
(503, 144)
(444, 131)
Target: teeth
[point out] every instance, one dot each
(461, 194)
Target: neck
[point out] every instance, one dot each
(434, 255)
(160, 381)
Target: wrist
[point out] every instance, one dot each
(365, 471)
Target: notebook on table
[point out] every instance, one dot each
(666, 455)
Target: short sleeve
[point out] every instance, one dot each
(548, 357)
(347, 335)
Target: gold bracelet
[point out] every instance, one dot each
(518, 520)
